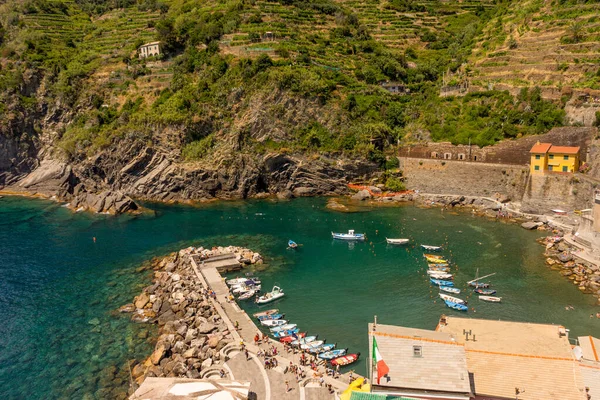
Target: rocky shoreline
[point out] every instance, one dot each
(191, 332)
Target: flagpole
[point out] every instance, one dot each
(371, 350)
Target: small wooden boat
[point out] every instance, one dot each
(266, 312)
(314, 343)
(456, 306)
(271, 316)
(349, 236)
(247, 295)
(292, 338)
(345, 360)
(322, 348)
(437, 256)
(304, 340)
(273, 322)
(478, 285)
(431, 248)
(289, 332)
(274, 294)
(436, 260)
(441, 275)
(283, 327)
(397, 241)
(491, 299)
(330, 355)
(449, 289)
(485, 292)
(439, 267)
(452, 299)
(292, 244)
(440, 282)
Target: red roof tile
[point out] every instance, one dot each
(540, 148)
(564, 149)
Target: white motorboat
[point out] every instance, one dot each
(349, 236)
(397, 241)
(243, 289)
(447, 297)
(247, 294)
(284, 327)
(431, 248)
(274, 294)
(491, 299)
(273, 322)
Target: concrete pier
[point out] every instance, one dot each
(273, 384)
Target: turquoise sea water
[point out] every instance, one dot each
(60, 336)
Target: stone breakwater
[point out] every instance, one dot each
(191, 332)
(560, 256)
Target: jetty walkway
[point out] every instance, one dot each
(268, 384)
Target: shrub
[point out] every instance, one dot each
(395, 184)
(197, 149)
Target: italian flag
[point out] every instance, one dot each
(382, 368)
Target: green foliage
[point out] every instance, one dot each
(198, 149)
(394, 184)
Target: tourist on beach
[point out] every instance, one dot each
(247, 355)
(256, 339)
(287, 386)
(222, 373)
(237, 326)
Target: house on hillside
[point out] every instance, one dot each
(394, 87)
(149, 50)
(546, 157)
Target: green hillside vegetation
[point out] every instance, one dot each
(224, 58)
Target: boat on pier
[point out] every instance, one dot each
(349, 236)
(345, 360)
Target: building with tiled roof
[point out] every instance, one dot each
(545, 157)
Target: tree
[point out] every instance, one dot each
(576, 31)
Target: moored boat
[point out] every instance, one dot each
(283, 327)
(349, 236)
(266, 312)
(247, 294)
(485, 292)
(241, 289)
(292, 244)
(441, 275)
(397, 241)
(491, 299)
(478, 285)
(292, 338)
(330, 355)
(452, 299)
(440, 282)
(437, 256)
(271, 316)
(449, 289)
(431, 248)
(439, 267)
(456, 306)
(322, 348)
(314, 343)
(274, 294)
(345, 360)
(289, 332)
(304, 340)
(436, 260)
(273, 322)
(241, 281)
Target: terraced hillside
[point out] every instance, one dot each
(550, 44)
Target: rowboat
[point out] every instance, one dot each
(322, 348)
(273, 322)
(435, 272)
(266, 312)
(456, 306)
(449, 289)
(314, 343)
(478, 285)
(345, 360)
(441, 275)
(440, 282)
(452, 299)
(484, 291)
(436, 260)
(271, 316)
(426, 255)
(491, 299)
(247, 294)
(292, 244)
(397, 241)
(431, 248)
(349, 236)
(289, 332)
(290, 339)
(330, 355)
(283, 327)
(273, 295)
(305, 340)
(439, 267)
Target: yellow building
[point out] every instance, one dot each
(548, 158)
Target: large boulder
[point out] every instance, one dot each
(142, 300)
(159, 352)
(362, 195)
(531, 225)
(206, 327)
